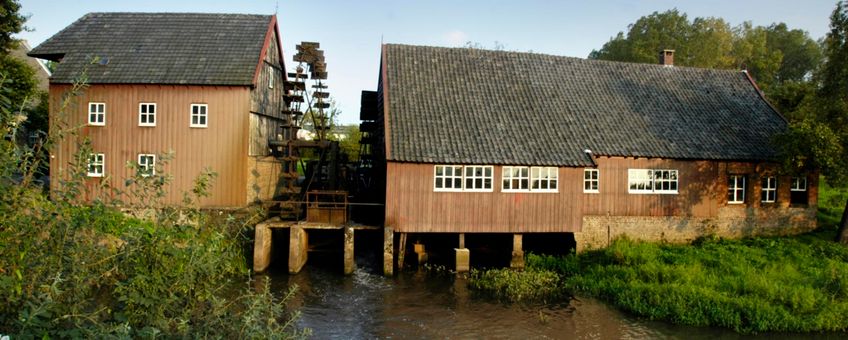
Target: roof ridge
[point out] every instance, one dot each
(600, 61)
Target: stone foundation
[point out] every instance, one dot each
(731, 222)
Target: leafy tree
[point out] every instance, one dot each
(350, 143)
(772, 55)
(11, 22)
(818, 140)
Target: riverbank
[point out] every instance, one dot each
(782, 284)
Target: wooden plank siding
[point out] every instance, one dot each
(266, 101)
(222, 146)
(413, 206)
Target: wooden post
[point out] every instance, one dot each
(461, 240)
(401, 251)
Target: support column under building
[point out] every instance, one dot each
(388, 248)
(349, 264)
(463, 256)
(298, 246)
(262, 248)
(517, 261)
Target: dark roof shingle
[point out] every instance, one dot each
(460, 105)
(159, 48)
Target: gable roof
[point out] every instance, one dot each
(159, 48)
(471, 106)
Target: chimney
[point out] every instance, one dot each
(667, 58)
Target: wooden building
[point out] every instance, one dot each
(478, 141)
(206, 87)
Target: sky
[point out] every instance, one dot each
(350, 32)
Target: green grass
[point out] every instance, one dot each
(790, 284)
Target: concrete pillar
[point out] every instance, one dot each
(517, 261)
(298, 244)
(388, 247)
(422, 254)
(262, 248)
(349, 264)
(463, 260)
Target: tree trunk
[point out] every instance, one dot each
(842, 235)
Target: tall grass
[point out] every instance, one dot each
(792, 284)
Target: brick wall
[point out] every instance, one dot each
(731, 222)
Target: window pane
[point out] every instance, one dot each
(488, 172)
(469, 183)
(439, 183)
(525, 183)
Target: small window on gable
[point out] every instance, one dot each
(147, 164)
(798, 191)
(768, 187)
(515, 178)
(199, 115)
(544, 179)
(147, 114)
(270, 77)
(447, 178)
(96, 165)
(736, 189)
(591, 180)
(97, 114)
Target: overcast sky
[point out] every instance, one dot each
(350, 32)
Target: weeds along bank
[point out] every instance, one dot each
(87, 270)
(786, 284)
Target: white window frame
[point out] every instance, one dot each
(734, 189)
(95, 113)
(96, 160)
(798, 184)
(444, 177)
(769, 189)
(144, 168)
(544, 175)
(270, 77)
(148, 114)
(590, 177)
(651, 179)
(204, 115)
(508, 175)
(473, 176)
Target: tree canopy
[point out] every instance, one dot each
(773, 55)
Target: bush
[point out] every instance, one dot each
(515, 285)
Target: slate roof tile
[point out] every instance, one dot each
(459, 105)
(159, 48)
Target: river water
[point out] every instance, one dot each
(428, 305)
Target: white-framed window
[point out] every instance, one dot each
(147, 114)
(96, 165)
(270, 77)
(478, 178)
(736, 189)
(591, 180)
(798, 184)
(544, 179)
(97, 114)
(146, 164)
(447, 178)
(515, 178)
(199, 115)
(768, 187)
(652, 181)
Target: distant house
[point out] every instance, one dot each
(478, 141)
(206, 86)
(42, 74)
